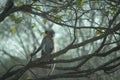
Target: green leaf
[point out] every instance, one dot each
(58, 18)
(42, 34)
(28, 14)
(19, 19)
(114, 8)
(19, 4)
(94, 1)
(12, 17)
(80, 4)
(39, 8)
(99, 32)
(76, 34)
(44, 20)
(29, 78)
(52, 18)
(13, 30)
(34, 25)
(58, 6)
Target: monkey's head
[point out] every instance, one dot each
(50, 33)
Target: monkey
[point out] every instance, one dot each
(47, 45)
(47, 48)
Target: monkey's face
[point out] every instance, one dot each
(50, 33)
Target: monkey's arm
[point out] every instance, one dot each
(39, 48)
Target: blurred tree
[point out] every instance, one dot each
(87, 39)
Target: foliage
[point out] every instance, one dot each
(86, 41)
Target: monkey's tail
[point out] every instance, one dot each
(52, 69)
